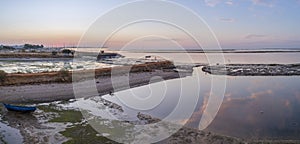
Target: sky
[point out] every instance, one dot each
(250, 24)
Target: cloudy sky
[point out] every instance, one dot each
(236, 23)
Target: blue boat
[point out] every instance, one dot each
(19, 108)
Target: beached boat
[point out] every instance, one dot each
(19, 108)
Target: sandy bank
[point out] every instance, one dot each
(63, 91)
(54, 86)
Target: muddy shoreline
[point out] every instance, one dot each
(55, 86)
(39, 93)
(41, 127)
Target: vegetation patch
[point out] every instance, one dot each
(77, 133)
(65, 116)
(31, 46)
(84, 134)
(65, 75)
(3, 75)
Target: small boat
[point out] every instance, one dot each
(19, 108)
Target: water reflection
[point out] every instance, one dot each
(9, 132)
(266, 108)
(253, 107)
(17, 127)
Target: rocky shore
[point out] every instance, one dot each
(254, 69)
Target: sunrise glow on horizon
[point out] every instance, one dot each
(237, 24)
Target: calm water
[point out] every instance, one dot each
(9, 134)
(260, 107)
(253, 107)
(250, 58)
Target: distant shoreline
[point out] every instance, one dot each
(33, 55)
(25, 55)
(218, 51)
